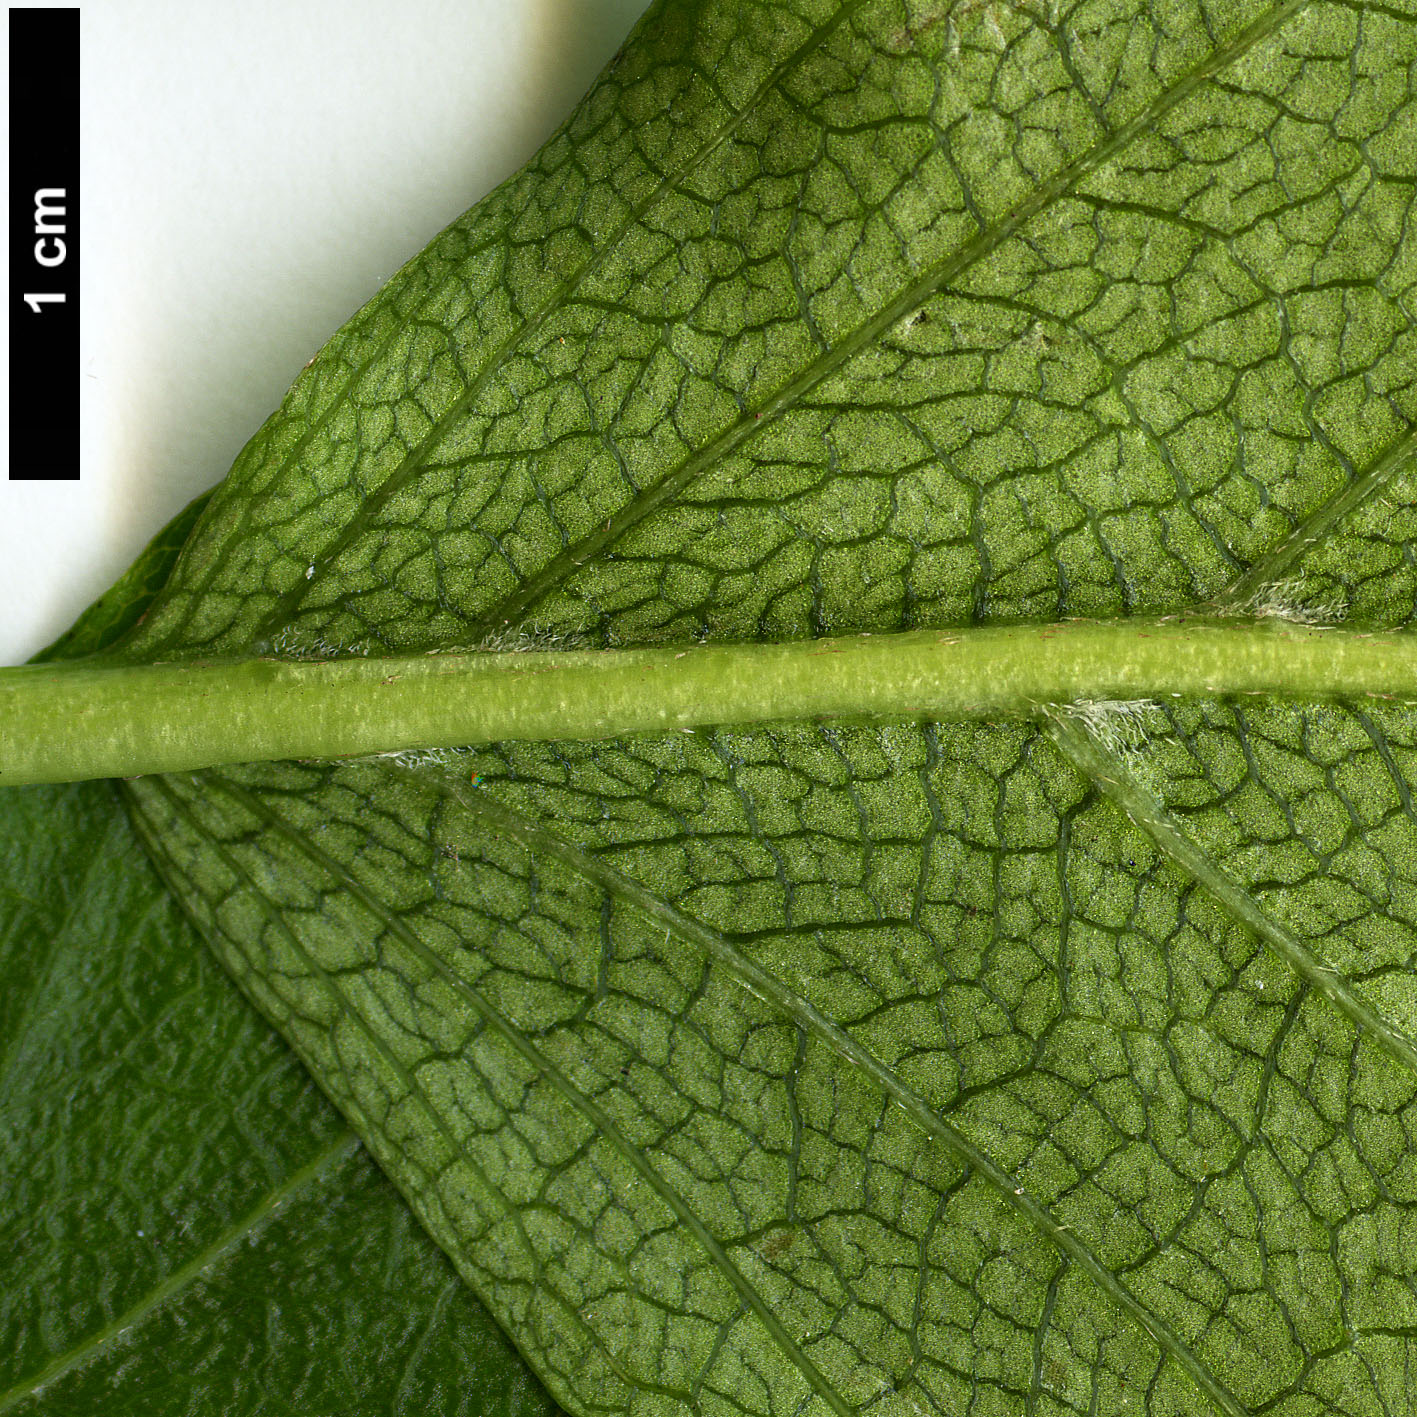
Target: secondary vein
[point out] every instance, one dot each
(1276, 563)
(756, 420)
(806, 1016)
(338, 1150)
(1117, 784)
(545, 1067)
(388, 1057)
(417, 457)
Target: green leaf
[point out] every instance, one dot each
(189, 1225)
(122, 606)
(1060, 1063)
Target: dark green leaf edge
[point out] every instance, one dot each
(506, 1383)
(122, 606)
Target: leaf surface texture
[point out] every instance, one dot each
(1038, 1066)
(189, 1226)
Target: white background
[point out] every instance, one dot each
(251, 173)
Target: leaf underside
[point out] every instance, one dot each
(190, 1227)
(928, 1067)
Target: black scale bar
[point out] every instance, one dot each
(44, 245)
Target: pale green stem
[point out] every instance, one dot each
(65, 722)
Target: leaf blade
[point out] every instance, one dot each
(180, 1201)
(510, 548)
(1166, 342)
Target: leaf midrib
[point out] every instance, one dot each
(131, 719)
